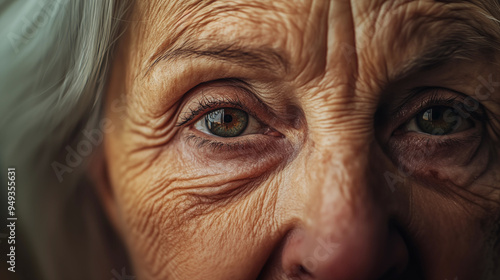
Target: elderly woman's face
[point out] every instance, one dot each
(306, 140)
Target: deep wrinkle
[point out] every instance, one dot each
(323, 179)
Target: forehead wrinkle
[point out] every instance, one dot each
(187, 25)
(263, 57)
(423, 36)
(191, 18)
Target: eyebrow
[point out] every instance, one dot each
(464, 43)
(250, 57)
(454, 46)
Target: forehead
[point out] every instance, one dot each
(274, 24)
(333, 39)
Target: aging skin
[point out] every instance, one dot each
(306, 140)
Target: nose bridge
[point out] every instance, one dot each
(340, 183)
(344, 233)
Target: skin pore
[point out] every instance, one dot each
(332, 181)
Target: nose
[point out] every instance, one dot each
(346, 232)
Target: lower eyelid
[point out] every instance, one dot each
(415, 152)
(256, 154)
(253, 144)
(437, 142)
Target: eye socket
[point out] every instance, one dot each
(439, 120)
(228, 122)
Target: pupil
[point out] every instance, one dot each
(432, 115)
(226, 122)
(434, 120)
(228, 118)
(436, 114)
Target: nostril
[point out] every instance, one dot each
(300, 272)
(303, 270)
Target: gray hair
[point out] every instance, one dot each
(55, 57)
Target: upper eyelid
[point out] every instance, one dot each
(207, 105)
(390, 116)
(423, 98)
(204, 108)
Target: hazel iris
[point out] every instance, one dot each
(227, 122)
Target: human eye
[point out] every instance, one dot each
(441, 115)
(440, 120)
(437, 130)
(225, 117)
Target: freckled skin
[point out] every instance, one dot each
(316, 203)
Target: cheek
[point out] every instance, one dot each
(439, 165)
(177, 231)
(183, 212)
(448, 231)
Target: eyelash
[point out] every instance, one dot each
(206, 105)
(436, 99)
(410, 111)
(217, 146)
